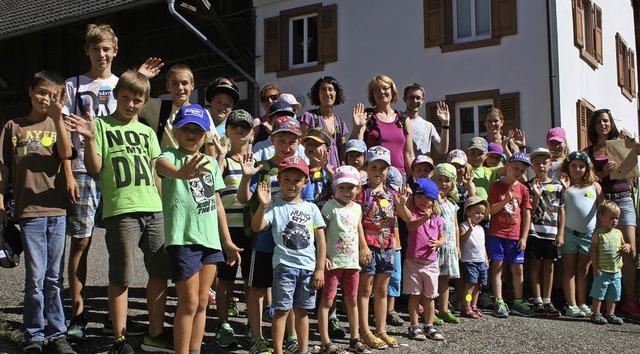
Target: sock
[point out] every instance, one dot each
(537, 300)
(194, 351)
(333, 315)
(546, 300)
(120, 339)
(292, 338)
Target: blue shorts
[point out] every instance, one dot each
(504, 250)
(577, 243)
(189, 259)
(396, 277)
(80, 224)
(292, 288)
(381, 262)
(607, 286)
(474, 272)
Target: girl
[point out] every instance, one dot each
(269, 94)
(354, 156)
(474, 261)
(464, 182)
(191, 190)
(581, 200)
(421, 267)
(557, 145)
(445, 176)
(379, 208)
(512, 142)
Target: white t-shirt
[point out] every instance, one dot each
(473, 250)
(424, 134)
(95, 96)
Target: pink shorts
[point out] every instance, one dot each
(349, 278)
(420, 277)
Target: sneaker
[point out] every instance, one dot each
(522, 309)
(162, 343)
(437, 321)
(133, 328)
(232, 310)
(121, 347)
(551, 310)
(597, 318)
(212, 297)
(34, 346)
(613, 319)
(77, 328)
(226, 337)
(631, 307)
(586, 309)
(394, 319)
(469, 313)
(267, 315)
(335, 329)
(538, 310)
(61, 346)
(574, 311)
(416, 333)
(259, 346)
(291, 346)
(500, 309)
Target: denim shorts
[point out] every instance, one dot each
(81, 223)
(607, 286)
(381, 262)
(577, 243)
(396, 277)
(627, 211)
(474, 272)
(292, 288)
(188, 260)
(504, 250)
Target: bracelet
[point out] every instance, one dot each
(445, 127)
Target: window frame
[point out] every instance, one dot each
(474, 37)
(306, 62)
(477, 119)
(587, 30)
(626, 68)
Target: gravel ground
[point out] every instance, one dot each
(488, 334)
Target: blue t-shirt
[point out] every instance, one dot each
(293, 227)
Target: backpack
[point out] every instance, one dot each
(165, 112)
(251, 206)
(372, 124)
(10, 245)
(337, 129)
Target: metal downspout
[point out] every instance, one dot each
(216, 50)
(552, 73)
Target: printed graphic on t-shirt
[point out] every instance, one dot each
(32, 141)
(135, 144)
(511, 212)
(547, 205)
(296, 235)
(203, 191)
(98, 104)
(346, 241)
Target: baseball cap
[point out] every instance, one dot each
(239, 116)
(319, 136)
(478, 143)
(471, 201)
(216, 87)
(520, 157)
(423, 159)
(540, 151)
(556, 134)
(291, 100)
(378, 153)
(394, 179)
(457, 156)
(286, 124)
(426, 187)
(346, 174)
(193, 113)
(495, 148)
(294, 162)
(356, 145)
(281, 108)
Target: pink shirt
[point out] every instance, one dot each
(392, 138)
(506, 223)
(419, 240)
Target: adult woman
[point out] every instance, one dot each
(269, 93)
(512, 142)
(325, 94)
(602, 128)
(382, 125)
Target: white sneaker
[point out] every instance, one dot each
(586, 309)
(574, 311)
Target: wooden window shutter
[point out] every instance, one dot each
(620, 56)
(582, 111)
(509, 104)
(434, 23)
(328, 34)
(632, 72)
(432, 116)
(272, 44)
(578, 11)
(598, 32)
(503, 18)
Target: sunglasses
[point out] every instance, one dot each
(267, 98)
(600, 111)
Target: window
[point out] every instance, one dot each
(466, 24)
(584, 110)
(625, 58)
(470, 120)
(587, 31)
(301, 40)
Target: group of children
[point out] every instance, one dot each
(298, 226)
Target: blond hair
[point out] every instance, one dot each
(610, 207)
(178, 68)
(384, 79)
(135, 82)
(100, 33)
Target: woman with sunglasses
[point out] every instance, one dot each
(326, 93)
(602, 127)
(269, 93)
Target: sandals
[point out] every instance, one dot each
(362, 349)
(432, 333)
(326, 349)
(391, 342)
(376, 343)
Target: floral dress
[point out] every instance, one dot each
(448, 253)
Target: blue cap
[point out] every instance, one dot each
(281, 108)
(394, 179)
(378, 153)
(478, 143)
(426, 187)
(286, 124)
(520, 157)
(356, 145)
(193, 113)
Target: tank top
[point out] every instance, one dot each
(229, 194)
(392, 138)
(580, 209)
(609, 186)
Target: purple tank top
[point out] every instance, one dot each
(609, 186)
(392, 138)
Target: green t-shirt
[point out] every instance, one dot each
(126, 177)
(190, 206)
(482, 179)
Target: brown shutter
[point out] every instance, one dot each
(432, 116)
(272, 44)
(620, 59)
(434, 23)
(583, 116)
(578, 35)
(328, 34)
(632, 72)
(598, 33)
(503, 18)
(509, 104)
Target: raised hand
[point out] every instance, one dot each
(248, 165)
(443, 113)
(264, 193)
(57, 101)
(84, 125)
(151, 67)
(359, 115)
(221, 145)
(519, 137)
(191, 168)
(467, 178)
(565, 180)
(537, 186)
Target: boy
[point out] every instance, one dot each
(425, 134)
(264, 150)
(546, 234)
(90, 94)
(476, 155)
(32, 152)
(607, 244)
(222, 95)
(508, 231)
(317, 148)
(354, 156)
(123, 150)
(298, 266)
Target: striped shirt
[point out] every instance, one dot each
(229, 195)
(544, 219)
(609, 257)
